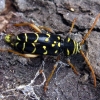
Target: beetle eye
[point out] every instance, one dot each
(13, 39)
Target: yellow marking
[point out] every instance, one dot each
(77, 47)
(26, 37)
(16, 44)
(55, 42)
(58, 44)
(33, 44)
(34, 48)
(18, 38)
(37, 36)
(68, 52)
(45, 53)
(74, 47)
(56, 51)
(68, 40)
(23, 46)
(47, 39)
(44, 47)
(53, 45)
(48, 34)
(58, 37)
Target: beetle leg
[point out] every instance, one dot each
(72, 66)
(50, 76)
(32, 25)
(36, 28)
(46, 28)
(89, 32)
(90, 67)
(20, 54)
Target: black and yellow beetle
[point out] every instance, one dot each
(43, 44)
(35, 44)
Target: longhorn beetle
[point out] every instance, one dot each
(43, 43)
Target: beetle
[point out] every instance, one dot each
(43, 42)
